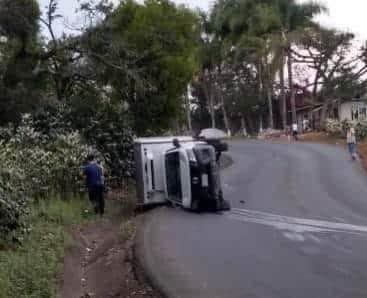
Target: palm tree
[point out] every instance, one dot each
(214, 53)
(295, 18)
(245, 22)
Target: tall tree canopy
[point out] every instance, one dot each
(21, 83)
(164, 39)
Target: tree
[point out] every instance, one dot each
(210, 58)
(21, 77)
(249, 26)
(295, 18)
(214, 70)
(336, 73)
(327, 53)
(280, 23)
(164, 38)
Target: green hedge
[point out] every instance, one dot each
(33, 166)
(339, 128)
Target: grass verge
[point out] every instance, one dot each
(33, 269)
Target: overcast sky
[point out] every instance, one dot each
(346, 15)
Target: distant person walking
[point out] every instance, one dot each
(93, 174)
(352, 142)
(295, 131)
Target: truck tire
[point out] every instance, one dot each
(195, 205)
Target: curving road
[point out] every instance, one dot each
(298, 229)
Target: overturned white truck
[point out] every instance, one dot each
(182, 170)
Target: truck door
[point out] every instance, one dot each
(177, 177)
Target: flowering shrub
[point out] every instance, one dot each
(361, 130)
(43, 155)
(13, 196)
(36, 166)
(110, 132)
(108, 129)
(339, 128)
(334, 127)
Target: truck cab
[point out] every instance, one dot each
(181, 170)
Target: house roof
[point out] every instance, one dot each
(308, 108)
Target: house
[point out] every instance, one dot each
(353, 110)
(308, 112)
(309, 116)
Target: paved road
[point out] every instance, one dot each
(302, 231)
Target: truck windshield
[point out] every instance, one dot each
(173, 176)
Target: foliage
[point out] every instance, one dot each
(334, 127)
(21, 77)
(328, 54)
(164, 38)
(262, 34)
(34, 166)
(105, 125)
(339, 128)
(19, 18)
(111, 133)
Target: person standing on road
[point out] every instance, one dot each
(295, 131)
(93, 175)
(352, 142)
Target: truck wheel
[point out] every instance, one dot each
(195, 206)
(225, 205)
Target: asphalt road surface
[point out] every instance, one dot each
(298, 229)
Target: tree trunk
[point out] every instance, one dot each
(283, 99)
(261, 87)
(177, 127)
(223, 107)
(226, 121)
(243, 126)
(270, 104)
(188, 109)
(225, 115)
(291, 86)
(212, 112)
(323, 115)
(250, 124)
(261, 127)
(269, 93)
(209, 98)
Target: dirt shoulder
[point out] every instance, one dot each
(100, 263)
(322, 137)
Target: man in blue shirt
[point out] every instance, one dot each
(93, 175)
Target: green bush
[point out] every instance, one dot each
(339, 128)
(334, 127)
(42, 157)
(111, 133)
(104, 125)
(36, 166)
(361, 130)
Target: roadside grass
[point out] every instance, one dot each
(33, 269)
